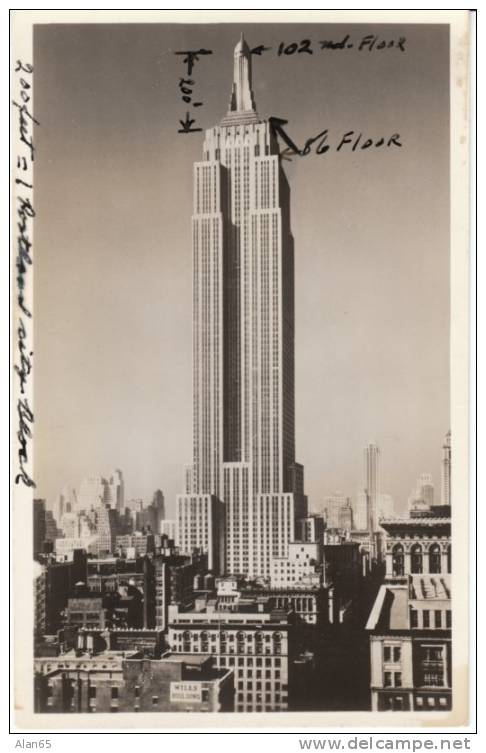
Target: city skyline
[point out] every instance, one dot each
(405, 351)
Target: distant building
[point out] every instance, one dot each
(135, 544)
(332, 506)
(53, 587)
(158, 502)
(168, 528)
(91, 493)
(107, 527)
(174, 578)
(345, 516)
(39, 523)
(52, 531)
(361, 512)
(302, 568)
(310, 529)
(116, 575)
(372, 481)
(422, 497)
(66, 503)
(385, 508)
(446, 471)
(64, 547)
(114, 491)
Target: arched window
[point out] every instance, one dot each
(398, 560)
(434, 559)
(416, 559)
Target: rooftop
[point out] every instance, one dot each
(430, 587)
(415, 521)
(391, 608)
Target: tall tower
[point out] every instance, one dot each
(243, 338)
(446, 470)
(372, 482)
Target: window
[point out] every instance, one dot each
(386, 653)
(426, 618)
(434, 559)
(155, 700)
(416, 559)
(413, 618)
(114, 693)
(448, 618)
(388, 680)
(398, 679)
(398, 560)
(397, 653)
(137, 691)
(92, 691)
(438, 618)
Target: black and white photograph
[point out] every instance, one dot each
(239, 363)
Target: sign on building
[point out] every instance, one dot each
(183, 692)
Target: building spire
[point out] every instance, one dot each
(242, 107)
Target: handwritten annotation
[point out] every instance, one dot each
(186, 86)
(369, 43)
(25, 215)
(351, 140)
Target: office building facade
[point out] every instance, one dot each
(243, 338)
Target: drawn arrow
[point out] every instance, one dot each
(258, 50)
(276, 126)
(285, 155)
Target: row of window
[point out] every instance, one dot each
(438, 619)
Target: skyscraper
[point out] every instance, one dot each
(372, 482)
(114, 495)
(425, 488)
(446, 470)
(243, 337)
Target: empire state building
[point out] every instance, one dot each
(243, 490)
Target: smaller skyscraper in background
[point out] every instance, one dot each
(372, 482)
(446, 470)
(422, 497)
(39, 520)
(114, 491)
(360, 511)
(332, 507)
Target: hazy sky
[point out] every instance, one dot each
(113, 196)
